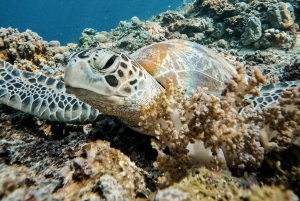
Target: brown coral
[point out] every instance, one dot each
(218, 5)
(179, 121)
(283, 119)
(28, 50)
(100, 166)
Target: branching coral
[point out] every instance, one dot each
(213, 123)
(283, 119)
(213, 131)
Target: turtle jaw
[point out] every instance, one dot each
(88, 96)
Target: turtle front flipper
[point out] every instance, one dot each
(41, 96)
(269, 94)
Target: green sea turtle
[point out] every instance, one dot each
(116, 84)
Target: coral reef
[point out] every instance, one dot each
(101, 168)
(276, 38)
(202, 184)
(203, 129)
(91, 38)
(238, 23)
(94, 170)
(30, 52)
(219, 5)
(21, 183)
(107, 161)
(252, 31)
(179, 122)
(281, 15)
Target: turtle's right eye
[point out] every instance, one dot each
(104, 61)
(110, 62)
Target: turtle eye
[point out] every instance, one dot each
(104, 61)
(110, 62)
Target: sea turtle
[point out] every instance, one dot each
(114, 83)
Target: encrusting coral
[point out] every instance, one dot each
(101, 167)
(218, 5)
(202, 184)
(207, 130)
(30, 52)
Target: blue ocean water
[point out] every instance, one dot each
(65, 20)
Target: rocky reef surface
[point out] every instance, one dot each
(41, 160)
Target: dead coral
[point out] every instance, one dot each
(292, 71)
(292, 30)
(102, 168)
(22, 183)
(252, 31)
(169, 17)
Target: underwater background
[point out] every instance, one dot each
(65, 20)
(42, 159)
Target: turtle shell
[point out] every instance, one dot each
(188, 64)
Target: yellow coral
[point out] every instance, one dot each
(271, 193)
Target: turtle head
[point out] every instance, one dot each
(105, 78)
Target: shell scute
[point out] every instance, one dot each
(188, 64)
